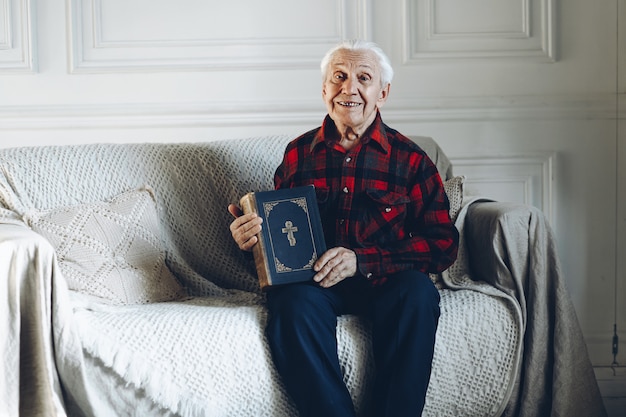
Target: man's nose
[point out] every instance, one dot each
(349, 86)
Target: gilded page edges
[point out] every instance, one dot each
(248, 205)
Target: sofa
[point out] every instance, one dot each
(123, 293)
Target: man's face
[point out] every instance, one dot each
(352, 90)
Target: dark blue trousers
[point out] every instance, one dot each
(301, 330)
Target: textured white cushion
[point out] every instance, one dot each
(111, 250)
(454, 191)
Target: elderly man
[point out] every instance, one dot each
(386, 222)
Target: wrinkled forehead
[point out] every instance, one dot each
(355, 60)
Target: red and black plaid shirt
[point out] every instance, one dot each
(383, 199)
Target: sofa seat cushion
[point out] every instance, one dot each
(208, 356)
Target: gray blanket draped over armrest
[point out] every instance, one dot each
(556, 377)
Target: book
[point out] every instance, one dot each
(291, 237)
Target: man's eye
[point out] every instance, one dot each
(365, 78)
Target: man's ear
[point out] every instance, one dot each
(382, 97)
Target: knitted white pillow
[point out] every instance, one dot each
(111, 250)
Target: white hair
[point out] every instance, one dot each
(386, 71)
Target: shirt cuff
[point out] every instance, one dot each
(368, 262)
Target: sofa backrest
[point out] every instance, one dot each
(193, 184)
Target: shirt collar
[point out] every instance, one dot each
(329, 134)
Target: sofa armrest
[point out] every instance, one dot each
(31, 383)
(513, 247)
(497, 236)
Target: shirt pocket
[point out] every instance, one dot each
(321, 194)
(382, 217)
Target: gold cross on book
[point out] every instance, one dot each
(289, 229)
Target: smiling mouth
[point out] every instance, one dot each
(348, 104)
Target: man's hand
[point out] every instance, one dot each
(334, 266)
(244, 228)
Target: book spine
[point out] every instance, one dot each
(248, 205)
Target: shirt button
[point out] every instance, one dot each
(387, 209)
(341, 221)
(345, 190)
(369, 275)
(348, 159)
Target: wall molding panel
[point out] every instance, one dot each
(437, 29)
(519, 178)
(217, 40)
(6, 25)
(17, 36)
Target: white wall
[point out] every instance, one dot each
(520, 93)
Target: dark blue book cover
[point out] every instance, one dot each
(291, 239)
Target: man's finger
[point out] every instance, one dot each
(334, 266)
(234, 210)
